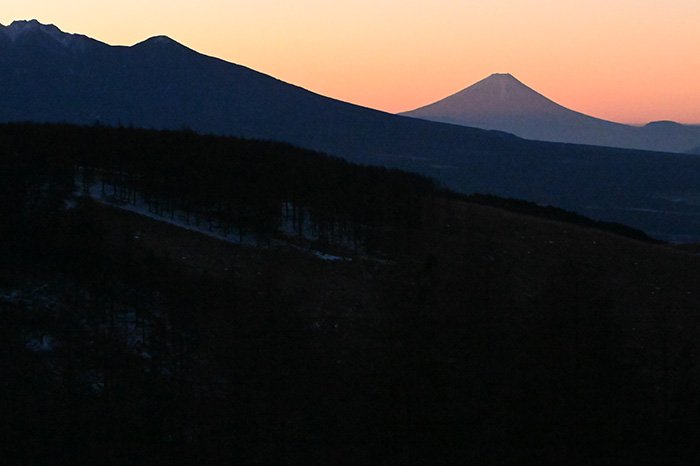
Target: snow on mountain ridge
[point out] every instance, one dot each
(497, 95)
(18, 30)
(21, 28)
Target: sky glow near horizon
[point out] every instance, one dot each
(631, 61)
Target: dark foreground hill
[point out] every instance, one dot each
(458, 333)
(51, 76)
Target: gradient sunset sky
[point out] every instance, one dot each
(631, 61)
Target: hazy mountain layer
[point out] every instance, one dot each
(503, 103)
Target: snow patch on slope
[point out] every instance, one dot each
(181, 220)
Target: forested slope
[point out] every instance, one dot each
(459, 333)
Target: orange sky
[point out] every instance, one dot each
(624, 60)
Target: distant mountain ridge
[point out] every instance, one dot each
(33, 30)
(49, 76)
(502, 102)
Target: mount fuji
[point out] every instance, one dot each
(504, 103)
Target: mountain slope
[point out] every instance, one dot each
(504, 103)
(159, 83)
(50, 76)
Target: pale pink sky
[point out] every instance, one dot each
(625, 60)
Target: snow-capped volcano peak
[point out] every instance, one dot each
(502, 102)
(505, 77)
(499, 94)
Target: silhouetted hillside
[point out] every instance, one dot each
(246, 186)
(455, 333)
(553, 213)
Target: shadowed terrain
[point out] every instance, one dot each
(458, 332)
